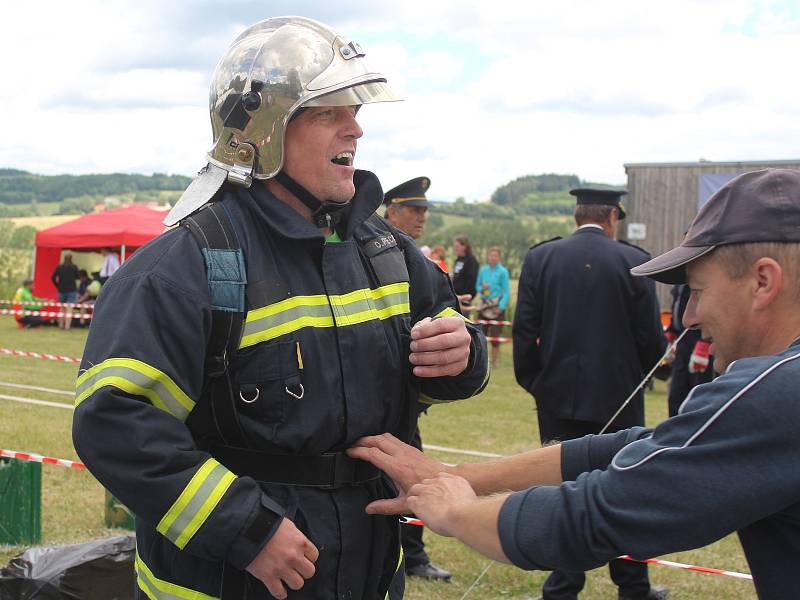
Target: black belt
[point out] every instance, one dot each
(329, 471)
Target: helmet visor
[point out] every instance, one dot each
(362, 93)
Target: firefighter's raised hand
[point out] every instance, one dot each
(287, 560)
(439, 347)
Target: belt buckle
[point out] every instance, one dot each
(343, 470)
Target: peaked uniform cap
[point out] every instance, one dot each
(601, 195)
(409, 193)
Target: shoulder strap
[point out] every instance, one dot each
(227, 280)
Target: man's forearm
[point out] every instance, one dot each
(521, 471)
(475, 524)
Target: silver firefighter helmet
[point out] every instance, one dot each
(271, 70)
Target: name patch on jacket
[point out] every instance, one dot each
(379, 244)
(387, 260)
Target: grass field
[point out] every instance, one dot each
(41, 222)
(501, 420)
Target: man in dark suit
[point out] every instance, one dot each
(585, 332)
(407, 209)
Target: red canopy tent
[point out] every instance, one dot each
(122, 229)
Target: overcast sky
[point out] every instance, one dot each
(494, 89)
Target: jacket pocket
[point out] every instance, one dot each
(268, 380)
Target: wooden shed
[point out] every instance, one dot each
(663, 198)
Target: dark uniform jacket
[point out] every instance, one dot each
(323, 360)
(585, 330)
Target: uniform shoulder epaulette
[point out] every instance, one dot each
(558, 237)
(639, 248)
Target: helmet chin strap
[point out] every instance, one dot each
(323, 214)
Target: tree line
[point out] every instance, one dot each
(22, 187)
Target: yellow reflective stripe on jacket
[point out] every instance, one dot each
(284, 317)
(196, 502)
(358, 306)
(370, 305)
(158, 589)
(451, 312)
(138, 378)
(396, 569)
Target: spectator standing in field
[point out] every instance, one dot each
(585, 332)
(465, 271)
(65, 278)
(110, 264)
(438, 255)
(494, 292)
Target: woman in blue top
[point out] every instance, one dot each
(493, 291)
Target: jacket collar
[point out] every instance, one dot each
(590, 231)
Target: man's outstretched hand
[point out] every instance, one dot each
(403, 463)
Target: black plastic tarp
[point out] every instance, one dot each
(96, 570)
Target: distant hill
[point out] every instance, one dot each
(543, 194)
(22, 187)
(515, 191)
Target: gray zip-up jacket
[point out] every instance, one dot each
(727, 462)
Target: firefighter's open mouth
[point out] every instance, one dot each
(344, 159)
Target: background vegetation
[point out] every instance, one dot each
(519, 214)
(21, 187)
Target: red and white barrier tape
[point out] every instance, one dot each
(677, 565)
(47, 314)
(90, 306)
(10, 352)
(483, 322)
(655, 561)
(497, 339)
(32, 457)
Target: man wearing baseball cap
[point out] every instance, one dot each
(726, 463)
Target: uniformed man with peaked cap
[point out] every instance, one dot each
(407, 210)
(585, 332)
(407, 206)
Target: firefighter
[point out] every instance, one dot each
(232, 360)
